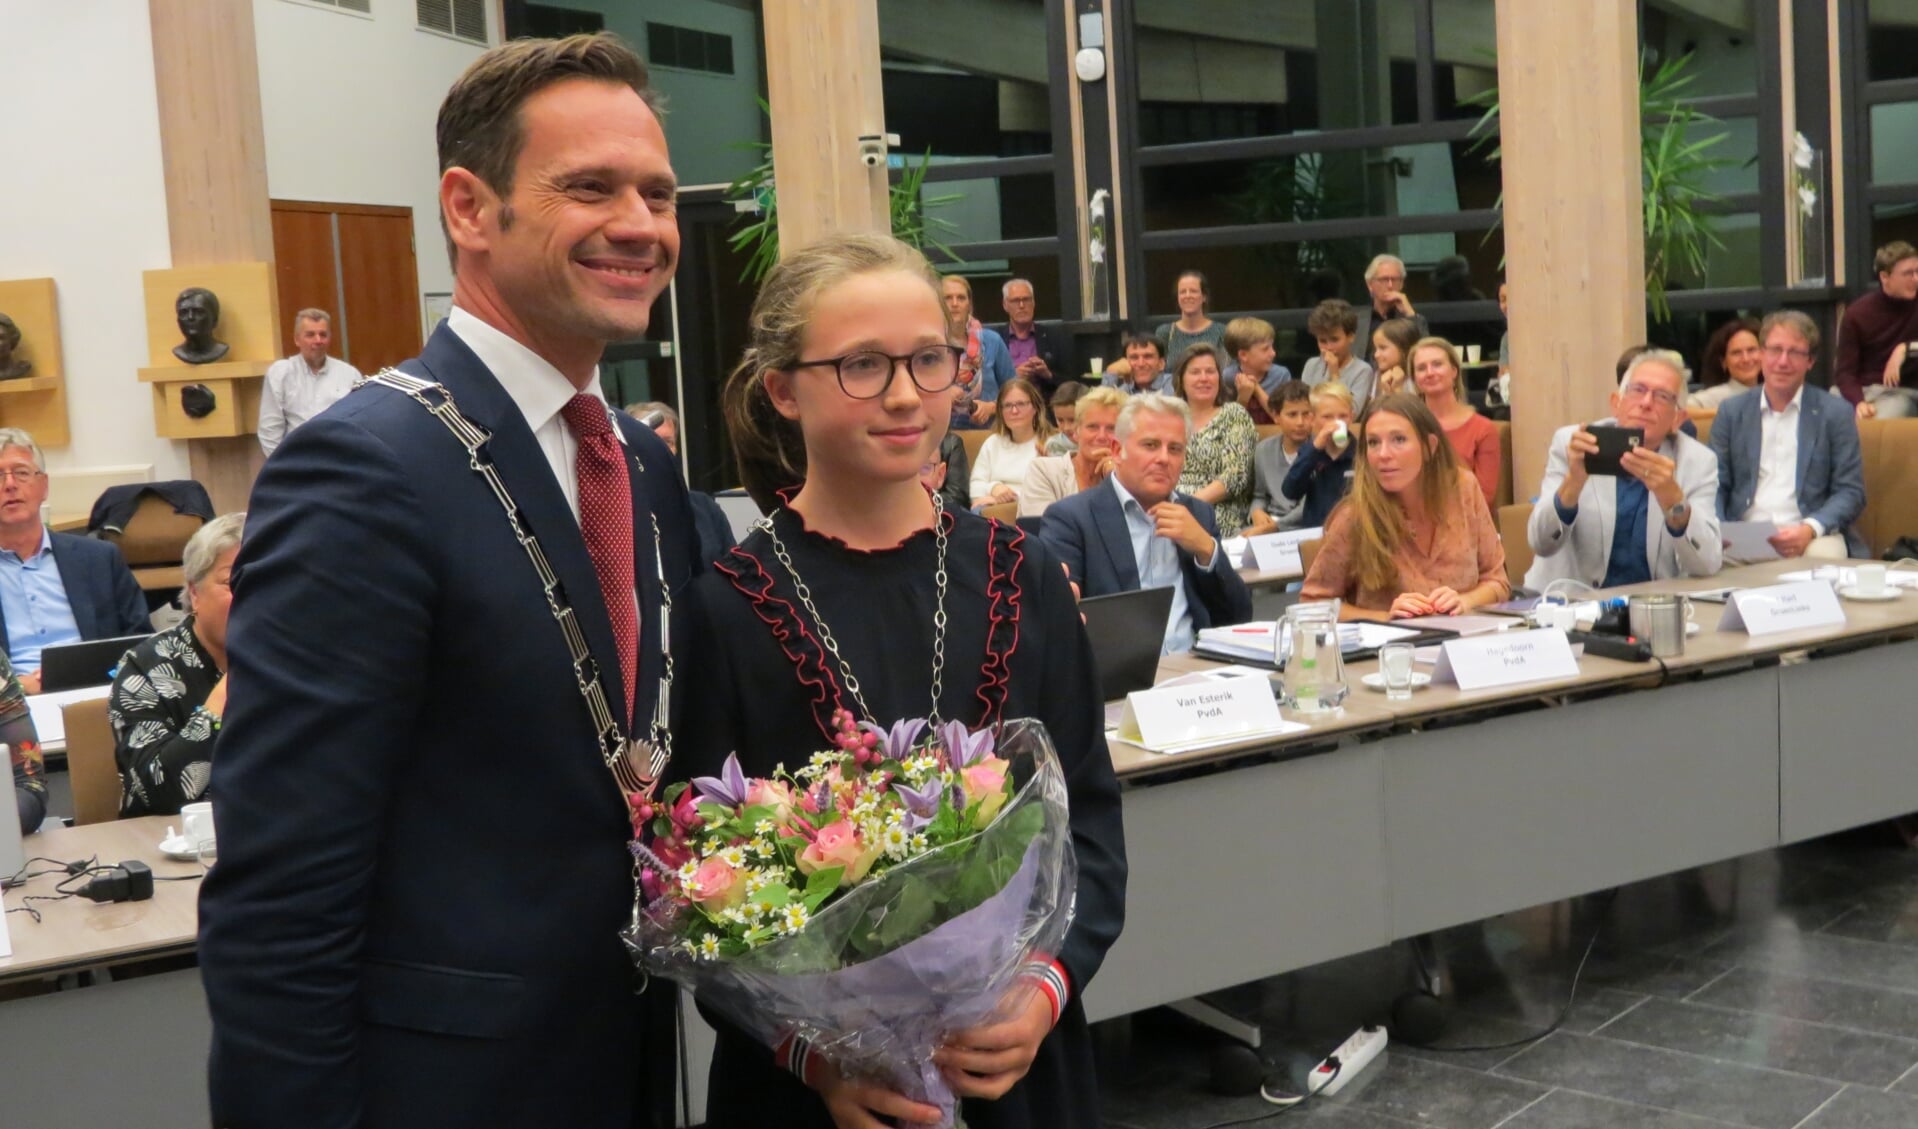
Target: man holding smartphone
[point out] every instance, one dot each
(1657, 519)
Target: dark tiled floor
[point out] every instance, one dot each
(1779, 991)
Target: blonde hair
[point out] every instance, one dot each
(1042, 428)
(1332, 390)
(1102, 397)
(1243, 333)
(1451, 356)
(768, 447)
(1379, 526)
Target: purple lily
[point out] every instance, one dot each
(896, 744)
(921, 804)
(964, 749)
(728, 789)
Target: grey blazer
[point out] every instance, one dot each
(1831, 472)
(1583, 549)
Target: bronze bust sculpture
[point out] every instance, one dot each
(11, 368)
(198, 312)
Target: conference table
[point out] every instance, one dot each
(1386, 821)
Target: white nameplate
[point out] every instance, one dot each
(1279, 552)
(1170, 718)
(1782, 607)
(1486, 661)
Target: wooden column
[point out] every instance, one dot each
(1574, 212)
(213, 147)
(822, 81)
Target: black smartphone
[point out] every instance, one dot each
(1613, 442)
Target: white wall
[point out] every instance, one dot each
(349, 105)
(83, 201)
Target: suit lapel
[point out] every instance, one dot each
(1108, 521)
(1753, 442)
(542, 505)
(1809, 433)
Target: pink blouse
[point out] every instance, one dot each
(1465, 554)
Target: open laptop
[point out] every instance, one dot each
(1127, 632)
(70, 666)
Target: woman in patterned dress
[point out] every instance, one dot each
(1218, 461)
(170, 691)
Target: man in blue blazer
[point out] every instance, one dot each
(1135, 530)
(1788, 452)
(424, 870)
(54, 587)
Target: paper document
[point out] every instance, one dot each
(1748, 541)
(48, 722)
(1845, 577)
(1460, 625)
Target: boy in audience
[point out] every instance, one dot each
(1065, 413)
(1272, 459)
(1253, 375)
(1317, 481)
(1334, 324)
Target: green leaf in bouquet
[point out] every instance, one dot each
(823, 882)
(753, 937)
(904, 917)
(944, 827)
(749, 817)
(713, 814)
(775, 896)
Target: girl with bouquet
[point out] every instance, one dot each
(864, 596)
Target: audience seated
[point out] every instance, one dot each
(709, 521)
(23, 749)
(1040, 353)
(54, 587)
(1333, 323)
(1731, 365)
(1050, 479)
(170, 692)
(1273, 458)
(1142, 370)
(1252, 373)
(1019, 433)
(1218, 461)
(1192, 326)
(1790, 455)
(1318, 480)
(1136, 531)
(1065, 417)
(1441, 384)
(986, 366)
(1392, 345)
(949, 477)
(1415, 537)
(1656, 521)
(1875, 338)
(1385, 282)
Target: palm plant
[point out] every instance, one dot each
(1675, 163)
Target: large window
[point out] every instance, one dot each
(1889, 125)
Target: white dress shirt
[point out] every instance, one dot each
(1157, 559)
(1776, 497)
(293, 393)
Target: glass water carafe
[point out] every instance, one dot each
(1314, 673)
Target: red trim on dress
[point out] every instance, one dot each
(786, 497)
(1004, 556)
(809, 662)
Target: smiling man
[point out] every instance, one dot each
(1135, 530)
(423, 855)
(301, 386)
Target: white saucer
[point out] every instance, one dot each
(1376, 680)
(1851, 592)
(1692, 629)
(179, 847)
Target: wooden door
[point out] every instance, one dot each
(355, 261)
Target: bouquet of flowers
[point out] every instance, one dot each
(870, 903)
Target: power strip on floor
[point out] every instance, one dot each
(1347, 1062)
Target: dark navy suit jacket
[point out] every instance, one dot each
(1831, 469)
(106, 600)
(423, 867)
(1088, 532)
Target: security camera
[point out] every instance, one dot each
(872, 150)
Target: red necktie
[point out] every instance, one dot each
(606, 520)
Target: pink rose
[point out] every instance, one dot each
(715, 885)
(775, 794)
(838, 844)
(985, 784)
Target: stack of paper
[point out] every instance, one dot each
(1255, 641)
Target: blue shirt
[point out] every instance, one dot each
(34, 600)
(1158, 562)
(1276, 377)
(1630, 561)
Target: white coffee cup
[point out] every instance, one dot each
(196, 825)
(1471, 354)
(1870, 579)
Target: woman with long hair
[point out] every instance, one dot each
(1441, 384)
(1218, 460)
(986, 365)
(1414, 536)
(842, 396)
(1019, 434)
(1733, 363)
(1392, 342)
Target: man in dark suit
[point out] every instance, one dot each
(1788, 452)
(423, 868)
(1135, 530)
(54, 587)
(1040, 353)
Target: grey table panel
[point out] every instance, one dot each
(126, 1053)
(1521, 810)
(1244, 874)
(1847, 723)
